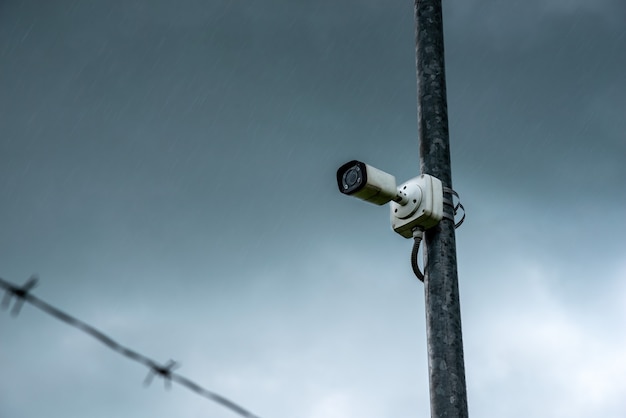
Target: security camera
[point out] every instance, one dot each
(416, 204)
(358, 179)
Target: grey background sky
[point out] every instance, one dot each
(167, 168)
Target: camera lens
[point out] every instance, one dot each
(351, 177)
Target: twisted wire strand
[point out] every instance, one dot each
(22, 294)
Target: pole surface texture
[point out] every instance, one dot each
(448, 394)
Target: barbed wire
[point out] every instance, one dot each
(23, 294)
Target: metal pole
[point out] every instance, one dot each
(448, 394)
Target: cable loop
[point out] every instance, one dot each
(456, 207)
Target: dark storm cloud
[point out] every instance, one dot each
(100, 86)
(548, 127)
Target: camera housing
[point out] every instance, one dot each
(358, 179)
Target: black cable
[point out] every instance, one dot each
(22, 294)
(418, 233)
(417, 237)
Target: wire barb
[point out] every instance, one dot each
(19, 293)
(163, 371)
(166, 371)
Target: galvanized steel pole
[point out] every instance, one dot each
(448, 394)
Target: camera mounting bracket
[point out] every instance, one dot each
(423, 208)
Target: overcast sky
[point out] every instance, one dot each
(168, 169)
